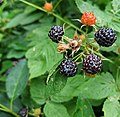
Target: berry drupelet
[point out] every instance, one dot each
(92, 64)
(56, 33)
(105, 37)
(68, 67)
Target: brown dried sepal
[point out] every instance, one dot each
(62, 47)
(90, 75)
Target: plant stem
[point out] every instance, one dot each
(5, 109)
(11, 102)
(67, 22)
(117, 75)
(78, 58)
(50, 74)
(55, 15)
(31, 114)
(67, 38)
(35, 6)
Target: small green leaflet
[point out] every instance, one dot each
(55, 110)
(111, 107)
(83, 108)
(17, 80)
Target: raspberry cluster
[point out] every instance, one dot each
(91, 63)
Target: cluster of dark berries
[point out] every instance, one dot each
(92, 63)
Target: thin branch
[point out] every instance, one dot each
(55, 15)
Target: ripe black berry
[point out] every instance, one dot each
(92, 64)
(68, 67)
(23, 112)
(105, 37)
(56, 33)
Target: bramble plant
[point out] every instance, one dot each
(59, 58)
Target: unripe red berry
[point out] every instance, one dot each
(88, 18)
(48, 6)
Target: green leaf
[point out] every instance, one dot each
(113, 9)
(31, 18)
(16, 20)
(67, 92)
(5, 66)
(43, 56)
(4, 100)
(115, 25)
(26, 98)
(19, 45)
(31, 27)
(99, 87)
(111, 107)
(1, 36)
(4, 114)
(55, 110)
(70, 33)
(24, 18)
(17, 80)
(41, 92)
(2, 84)
(116, 5)
(103, 86)
(15, 54)
(84, 6)
(96, 102)
(71, 106)
(29, 10)
(83, 108)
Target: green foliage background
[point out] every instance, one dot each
(28, 57)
